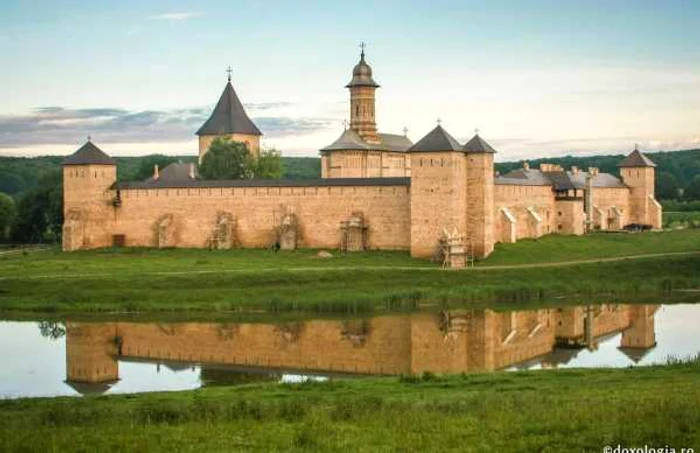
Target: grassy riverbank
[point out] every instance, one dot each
(566, 410)
(198, 280)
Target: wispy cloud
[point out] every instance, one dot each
(59, 125)
(176, 16)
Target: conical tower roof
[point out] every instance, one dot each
(89, 154)
(478, 145)
(436, 140)
(636, 159)
(229, 116)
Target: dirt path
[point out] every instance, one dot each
(484, 268)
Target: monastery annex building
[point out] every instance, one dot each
(377, 191)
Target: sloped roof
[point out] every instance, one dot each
(561, 180)
(436, 140)
(89, 154)
(229, 117)
(395, 142)
(176, 171)
(636, 159)
(211, 183)
(601, 180)
(522, 177)
(349, 140)
(478, 145)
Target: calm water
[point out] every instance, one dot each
(74, 358)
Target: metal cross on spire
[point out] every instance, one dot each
(439, 121)
(89, 138)
(405, 131)
(345, 125)
(476, 131)
(229, 71)
(362, 48)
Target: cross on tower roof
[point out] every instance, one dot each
(229, 71)
(362, 46)
(345, 124)
(439, 121)
(405, 131)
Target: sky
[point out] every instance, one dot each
(537, 78)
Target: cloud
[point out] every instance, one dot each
(59, 125)
(176, 16)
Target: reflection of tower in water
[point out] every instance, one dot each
(91, 351)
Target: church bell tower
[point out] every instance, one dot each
(362, 88)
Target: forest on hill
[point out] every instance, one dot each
(31, 189)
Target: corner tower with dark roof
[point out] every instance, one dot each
(88, 174)
(480, 196)
(638, 173)
(229, 119)
(438, 191)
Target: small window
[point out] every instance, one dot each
(560, 227)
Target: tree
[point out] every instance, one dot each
(268, 165)
(225, 159)
(666, 186)
(692, 192)
(11, 183)
(40, 211)
(7, 215)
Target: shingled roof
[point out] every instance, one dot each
(89, 154)
(229, 117)
(636, 159)
(436, 140)
(351, 141)
(478, 145)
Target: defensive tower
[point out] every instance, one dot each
(637, 173)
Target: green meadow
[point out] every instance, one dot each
(144, 280)
(546, 411)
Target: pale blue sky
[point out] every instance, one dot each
(536, 77)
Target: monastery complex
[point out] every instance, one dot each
(438, 198)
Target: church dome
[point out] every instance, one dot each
(362, 74)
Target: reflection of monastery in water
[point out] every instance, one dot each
(449, 342)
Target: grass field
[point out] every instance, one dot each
(546, 411)
(199, 280)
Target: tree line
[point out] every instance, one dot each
(31, 191)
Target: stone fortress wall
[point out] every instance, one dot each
(255, 213)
